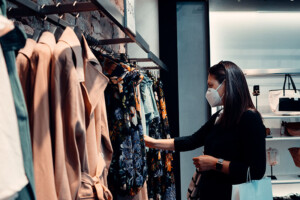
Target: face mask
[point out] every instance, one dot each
(213, 96)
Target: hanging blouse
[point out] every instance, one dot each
(128, 170)
(169, 182)
(161, 182)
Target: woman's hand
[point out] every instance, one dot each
(166, 144)
(205, 162)
(149, 141)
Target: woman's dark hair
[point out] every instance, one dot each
(237, 97)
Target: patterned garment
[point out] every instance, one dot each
(128, 170)
(161, 182)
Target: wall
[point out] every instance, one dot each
(192, 79)
(147, 24)
(93, 23)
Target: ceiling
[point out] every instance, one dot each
(254, 5)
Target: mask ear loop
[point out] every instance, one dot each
(220, 85)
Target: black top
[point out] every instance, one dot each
(244, 146)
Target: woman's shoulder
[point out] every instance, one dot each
(251, 115)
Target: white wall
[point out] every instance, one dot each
(256, 39)
(147, 24)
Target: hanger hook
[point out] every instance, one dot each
(58, 4)
(76, 18)
(75, 2)
(42, 7)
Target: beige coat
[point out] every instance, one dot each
(27, 76)
(68, 115)
(99, 147)
(82, 145)
(41, 137)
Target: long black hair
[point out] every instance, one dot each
(237, 97)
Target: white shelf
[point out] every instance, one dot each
(271, 72)
(280, 190)
(274, 116)
(284, 179)
(277, 137)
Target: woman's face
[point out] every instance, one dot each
(213, 83)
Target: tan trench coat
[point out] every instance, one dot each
(79, 121)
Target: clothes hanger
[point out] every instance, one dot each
(36, 34)
(76, 29)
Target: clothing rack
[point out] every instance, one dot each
(105, 6)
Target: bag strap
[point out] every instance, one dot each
(284, 84)
(248, 175)
(293, 84)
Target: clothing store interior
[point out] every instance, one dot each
(119, 99)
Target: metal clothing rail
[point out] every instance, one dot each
(151, 58)
(33, 9)
(105, 6)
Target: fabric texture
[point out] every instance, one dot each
(12, 173)
(27, 76)
(193, 190)
(141, 195)
(243, 145)
(128, 170)
(6, 25)
(68, 115)
(99, 148)
(149, 102)
(161, 181)
(41, 136)
(13, 41)
(143, 117)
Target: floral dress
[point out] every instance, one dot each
(169, 178)
(161, 182)
(128, 169)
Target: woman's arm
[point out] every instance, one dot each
(185, 143)
(166, 144)
(206, 162)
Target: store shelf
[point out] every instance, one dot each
(280, 190)
(284, 179)
(277, 137)
(271, 72)
(274, 116)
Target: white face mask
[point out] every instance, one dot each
(213, 96)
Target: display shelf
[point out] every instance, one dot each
(280, 190)
(271, 72)
(277, 137)
(284, 179)
(274, 116)
(29, 8)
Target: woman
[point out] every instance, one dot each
(233, 138)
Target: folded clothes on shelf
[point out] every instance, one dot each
(288, 197)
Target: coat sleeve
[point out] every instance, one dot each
(187, 143)
(252, 132)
